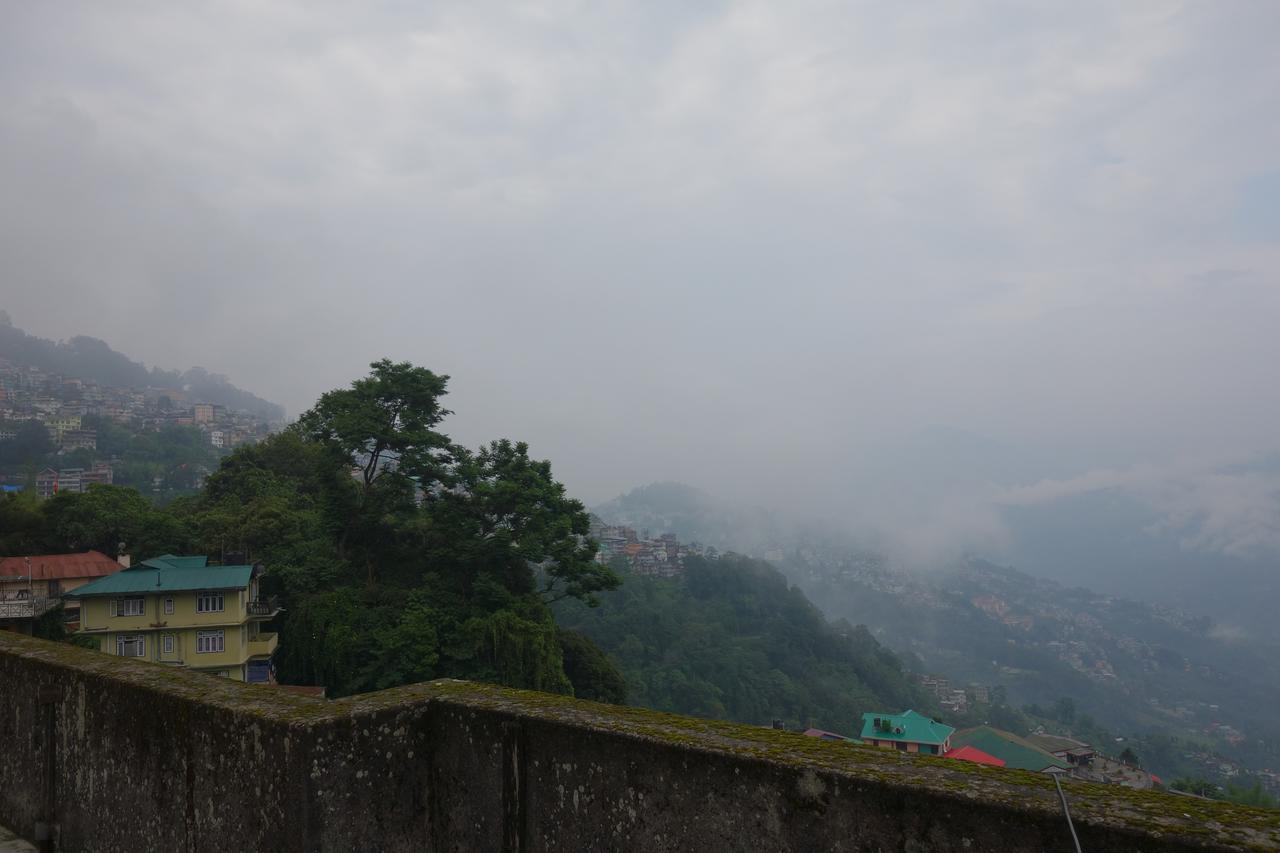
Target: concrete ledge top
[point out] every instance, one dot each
(1145, 814)
(10, 843)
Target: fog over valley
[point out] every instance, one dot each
(918, 271)
(849, 370)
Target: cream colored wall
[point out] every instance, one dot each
(235, 647)
(183, 625)
(184, 609)
(95, 613)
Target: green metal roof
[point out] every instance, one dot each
(907, 727)
(1017, 753)
(167, 573)
(169, 561)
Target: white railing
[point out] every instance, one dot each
(25, 608)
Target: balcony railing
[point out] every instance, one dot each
(263, 645)
(26, 608)
(269, 606)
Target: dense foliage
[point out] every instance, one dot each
(399, 555)
(731, 640)
(1245, 795)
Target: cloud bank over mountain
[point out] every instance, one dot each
(759, 247)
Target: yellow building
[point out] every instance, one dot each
(58, 426)
(184, 612)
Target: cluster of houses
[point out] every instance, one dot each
(657, 557)
(178, 610)
(63, 406)
(917, 733)
(61, 403)
(952, 698)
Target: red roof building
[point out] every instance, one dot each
(30, 586)
(60, 567)
(977, 756)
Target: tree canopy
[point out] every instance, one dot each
(403, 556)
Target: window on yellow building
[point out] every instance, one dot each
(209, 602)
(168, 606)
(131, 645)
(128, 606)
(168, 644)
(209, 641)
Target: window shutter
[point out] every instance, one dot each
(111, 607)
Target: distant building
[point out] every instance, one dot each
(57, 426)
(977, 756)
(1070, 750)
(71, 480)
(202, 413)
(46, 483)
(217, 438)
(184, 612)
(1016, 752)
(79, 439)
(907, 732)
(101, 472)
(33, 585)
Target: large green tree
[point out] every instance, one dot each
(114, 520)
(401, 555)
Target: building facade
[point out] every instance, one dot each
(183, 612)
(32, 586)
(907, 732)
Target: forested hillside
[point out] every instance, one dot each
(401, 556)
(731, 639)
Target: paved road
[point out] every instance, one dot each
(10, 843)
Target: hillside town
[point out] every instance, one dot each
(74, 412)
(656, 557)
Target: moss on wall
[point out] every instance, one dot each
(209, 764)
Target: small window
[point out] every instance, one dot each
(168, 644)
(130, 606)
(902, 747)
(131, 645)
(209, 641)
(209, 602)
(168, 606)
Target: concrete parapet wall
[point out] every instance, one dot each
(121, 755)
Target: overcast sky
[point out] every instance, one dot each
(785, 250)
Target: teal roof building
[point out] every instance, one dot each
(167, 573)
(906, 732)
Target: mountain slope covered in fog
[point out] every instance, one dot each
(91, 359)
(1134, 665)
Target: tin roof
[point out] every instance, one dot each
(89, 564)
(168, 573)
(908, 727)
(1017, 753)
(977, 756)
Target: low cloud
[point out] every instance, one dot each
(1214, 509)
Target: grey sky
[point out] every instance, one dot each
(772, 249)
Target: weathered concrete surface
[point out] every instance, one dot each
(10, 843)
(151, 758)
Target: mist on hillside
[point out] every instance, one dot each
(985, 281)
